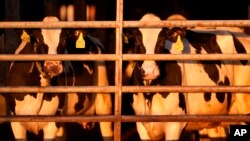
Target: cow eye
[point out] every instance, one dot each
(77, 33)
(173, 37)
(138, 39)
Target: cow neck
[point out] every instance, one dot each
(39, 67)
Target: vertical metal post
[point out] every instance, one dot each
(118, 69)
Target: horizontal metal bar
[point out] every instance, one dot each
(64, 57)
(130, 118)
(69, 118)
(113, 24)
(129, 89)
(193, 89)
(113, 57)
(189, 23)
(60, 24)
(57, 89)
(186, 118)
(186, 57)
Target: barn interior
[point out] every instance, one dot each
(105, 10)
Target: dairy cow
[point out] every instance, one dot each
(147, 72)
(185, 73)
(86, 73)
(36, 73)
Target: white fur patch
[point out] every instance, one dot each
(149, 38)
(51, 36)
(150, 35)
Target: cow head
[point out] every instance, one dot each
(145, 41)
(44, 41)
(79, 41)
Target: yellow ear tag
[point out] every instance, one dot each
(80, 43)
(25, 37)
(179, 45)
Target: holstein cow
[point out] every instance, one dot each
(86, 73)
(152, 41)
(36, 73)
(186, 73)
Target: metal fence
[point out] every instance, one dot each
(118, 89)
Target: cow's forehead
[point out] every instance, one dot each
(51, 36)
(150, 35)
(149, 38)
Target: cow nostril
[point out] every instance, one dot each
(54, 68)
(49, 64)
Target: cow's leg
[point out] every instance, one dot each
(142, 131)
(104, 107)
(173, 130)
(103, 101)
(50, 130)
(18, 130)
(140, 108)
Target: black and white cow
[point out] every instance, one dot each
(149, 41)
(36, 73)
(186, 73)
(86, 73)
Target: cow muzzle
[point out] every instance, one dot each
(149, 70)
(53, 68)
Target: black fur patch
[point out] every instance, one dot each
(207, 96)
(220, 96)
(81, 99)
(211, 70)
(182, 102)
(240, 49)
(207, 41)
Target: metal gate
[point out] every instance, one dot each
(118, 89)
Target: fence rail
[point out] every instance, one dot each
(130, 118)
(124, 89)
(114, 57)
(124, 24)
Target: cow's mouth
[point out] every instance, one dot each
(150, 77)
(53, 68)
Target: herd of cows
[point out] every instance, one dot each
(174, 40)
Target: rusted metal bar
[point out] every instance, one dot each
(185, 118)
(130, 118)
(60, 24)
(193, 89)
(64, 57)
(58, 89)
(189, 23)
(113, 24)
(113, 57)
(129, 89)
(118, 69)
(70, 118)
(186, 57)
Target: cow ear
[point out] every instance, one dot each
(95, 41)
(23, 35)
(126, 33)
